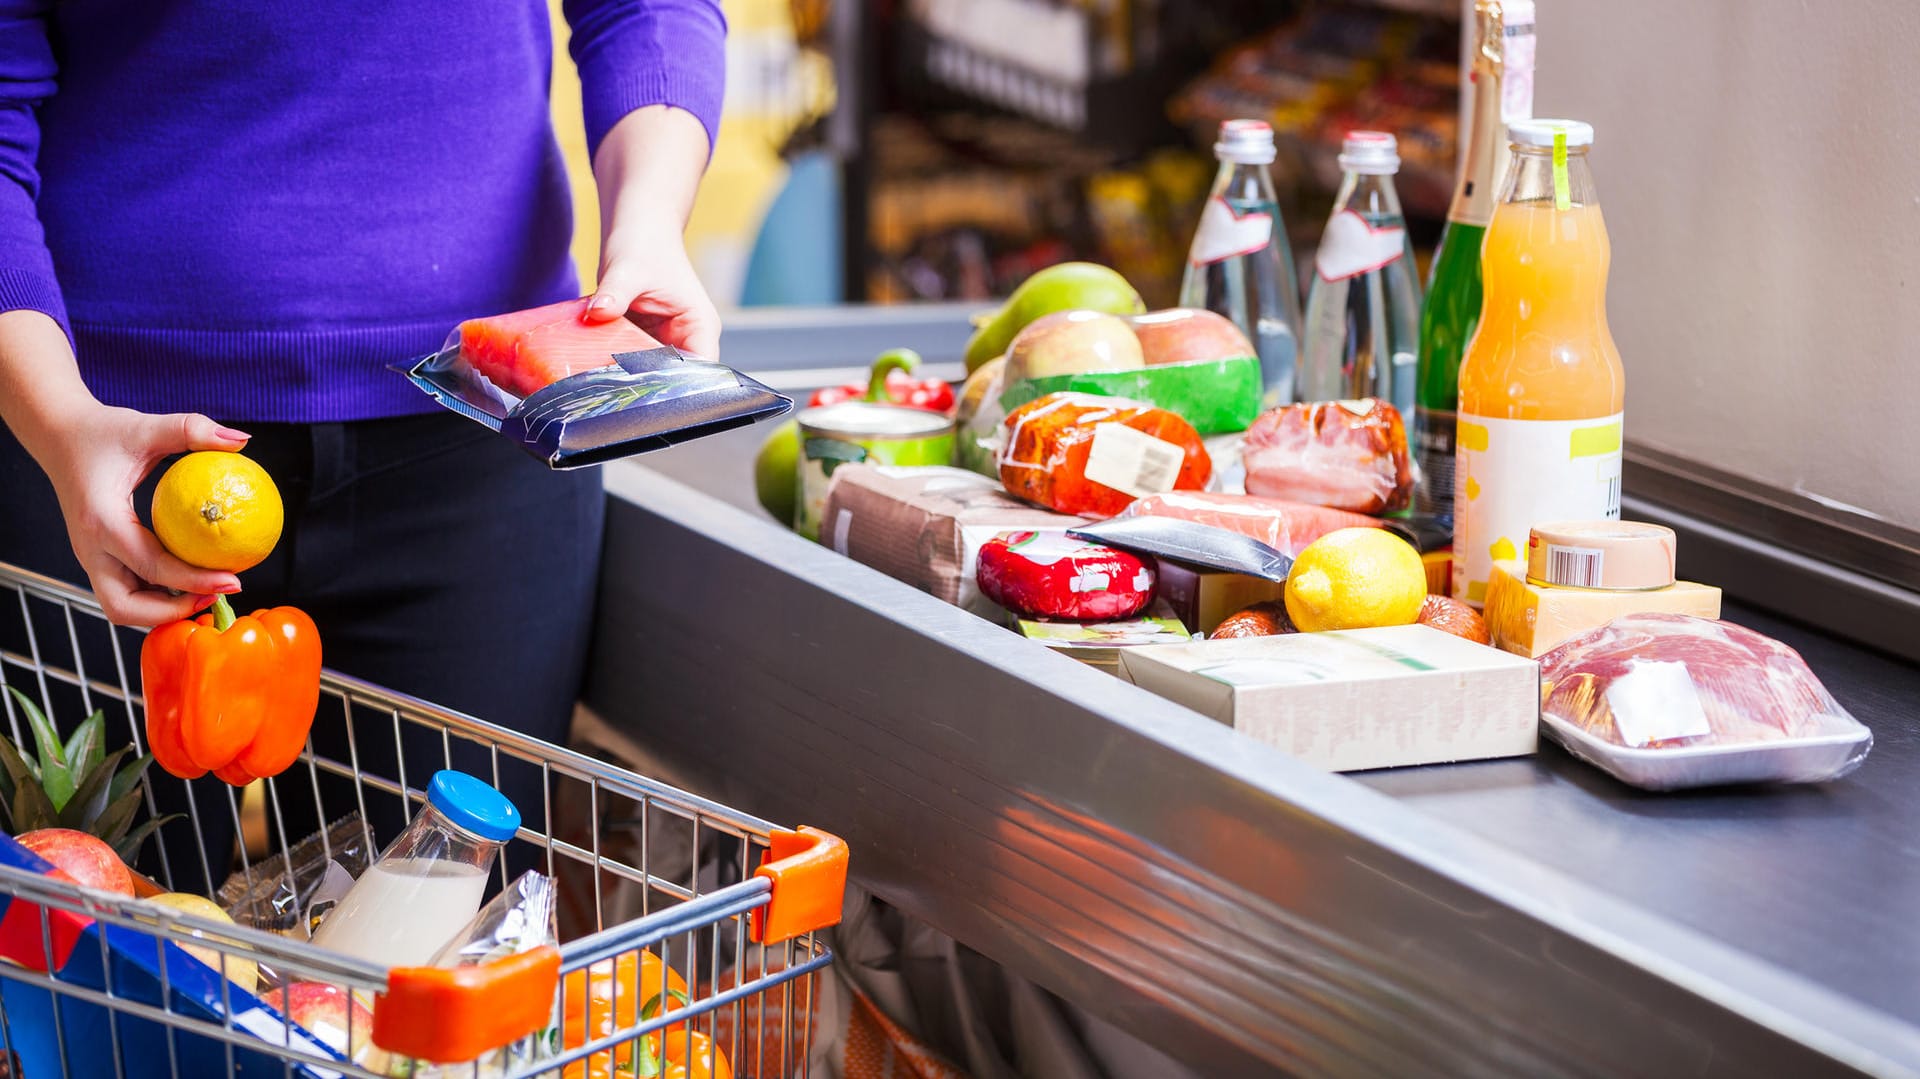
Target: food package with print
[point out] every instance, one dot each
(1345, 455)
(1665, 701)
(1044, 575)
(1092, 456)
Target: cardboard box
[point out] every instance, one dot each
(1203, 598)
(925, 525)
(1099, 644)
(1355, 699)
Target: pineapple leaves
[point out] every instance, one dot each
(88, 744)
(54, 775)
(31, 809)
(129, 848)
(118, 814)
(17, 773)
(90, 798)
(76, 785)
(128, 778)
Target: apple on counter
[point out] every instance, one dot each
(1188, 334)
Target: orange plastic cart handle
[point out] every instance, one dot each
(808, 870)
(454, 1014)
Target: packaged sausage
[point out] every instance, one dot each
(1664, 701)
(1285, 526)
(1048, 575)
(1345, 455)
(1076, 453)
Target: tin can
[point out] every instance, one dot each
(862, 431)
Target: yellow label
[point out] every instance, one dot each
(1562, 200)
(1597, 441)
(1510, 475)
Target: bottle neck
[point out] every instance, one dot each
(1370, 195)
(1530, 179)
(1240, 182)
(1501, 92)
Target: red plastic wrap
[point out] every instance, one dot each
(1286, 527)
(1347, 455)
(1051, 575)
(1092, 456)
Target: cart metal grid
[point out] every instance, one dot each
(758, 1013)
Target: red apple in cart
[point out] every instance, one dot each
(1186, 334)
(325, 1012)
(82, 857)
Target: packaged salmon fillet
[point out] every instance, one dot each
(1092, 456)
(575, 393)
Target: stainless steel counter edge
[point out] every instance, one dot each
(1205, 892)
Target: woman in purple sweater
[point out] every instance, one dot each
(221, 221)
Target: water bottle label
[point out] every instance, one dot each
(1225, 233)
(1510, 475)
(1351, 247)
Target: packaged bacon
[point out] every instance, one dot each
(1049, 575)
(1664, 701)
(1285, 526)
(1345, 455)
(1081, 454)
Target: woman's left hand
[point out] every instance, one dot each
(647, 169)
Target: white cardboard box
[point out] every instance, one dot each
(1355, 699)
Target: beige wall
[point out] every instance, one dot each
(1759, 165)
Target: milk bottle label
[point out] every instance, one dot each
(1510, 475)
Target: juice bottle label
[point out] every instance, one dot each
(1513, 474)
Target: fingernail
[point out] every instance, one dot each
(232, 435)
(227, 590)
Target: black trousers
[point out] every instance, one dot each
(436, 560)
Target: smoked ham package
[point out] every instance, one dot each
(1664, 701)
(1286, 527)
(1345, 455)
(575, 393)
(1087, 455)
(925, 525)
(1052, 576)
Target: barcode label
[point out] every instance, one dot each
(1613, 498)
(1576, 567)
(1133, 461)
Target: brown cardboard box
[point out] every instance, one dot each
(1203, 598)
(1355, 699)
(925, 525)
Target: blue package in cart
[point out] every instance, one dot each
(56, 1032)
(574, 393)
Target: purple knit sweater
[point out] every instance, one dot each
(249, 208)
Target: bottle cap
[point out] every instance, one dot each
(1541, 132)
(1245, 142)
(1371, 153)
(473, 805)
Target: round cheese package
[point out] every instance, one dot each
(1052, 575)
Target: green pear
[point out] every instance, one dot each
(1068, 286)
(774, 472)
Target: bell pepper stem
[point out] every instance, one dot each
(897, 359)
(222, 613)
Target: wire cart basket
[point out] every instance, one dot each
(716, 910)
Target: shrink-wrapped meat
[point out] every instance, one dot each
(1077, 453)
(1347, 455)
(1286, 527)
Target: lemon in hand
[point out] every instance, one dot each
(1356, 578)
(218, 511)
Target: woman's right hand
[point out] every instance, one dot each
(96, 458)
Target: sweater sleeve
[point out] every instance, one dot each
(26, 79)
(635, 53)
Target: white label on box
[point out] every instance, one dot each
(841, 526)
(269, 1028)
(1133, 461)
(1654, 702)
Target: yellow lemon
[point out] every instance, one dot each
(217, 511)
(241, 972)
(1356, 578)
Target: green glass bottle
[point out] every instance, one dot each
(1502, 78)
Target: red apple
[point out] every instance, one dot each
(1186, 334)
(83, 857)
(1071, 342)
(323, 1010)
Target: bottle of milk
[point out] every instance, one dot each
(429, 883)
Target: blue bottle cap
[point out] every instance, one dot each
(473, 805)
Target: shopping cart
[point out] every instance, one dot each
(98, 987)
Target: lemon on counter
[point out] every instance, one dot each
(241, 972)
(217, 511)
(1356, 578)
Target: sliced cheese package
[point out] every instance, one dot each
(1531, 620)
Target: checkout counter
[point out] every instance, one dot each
(1233, 908)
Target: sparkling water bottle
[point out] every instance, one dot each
(1363, 314)
(1239, 264)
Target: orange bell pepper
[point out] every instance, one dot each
(231, 696)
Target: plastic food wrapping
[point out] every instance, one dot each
(1216, 396)
(323, 865)
(1093, 456)
(519, 919)
(1048, 575)
(1286, 527)
(1346, 455)
(1191, 544)
(575, 394)
(1664, 701)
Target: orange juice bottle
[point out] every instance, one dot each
(1541, 388)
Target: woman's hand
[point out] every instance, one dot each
(96, 456)
(647, 170)
(96, 459)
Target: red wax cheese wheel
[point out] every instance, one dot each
(529, 350)
(1092, 456)
(1053, 575)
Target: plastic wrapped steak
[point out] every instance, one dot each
(1346, 455)
(1077, 453)
(1656, 680)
